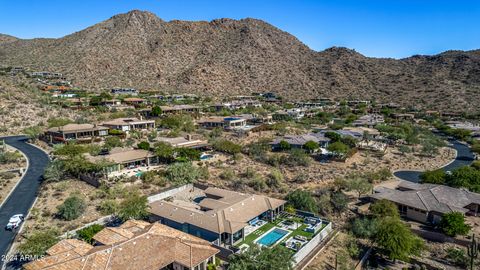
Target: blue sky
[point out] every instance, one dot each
(388, 28)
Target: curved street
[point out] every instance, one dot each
(464, 157)
(24, 194)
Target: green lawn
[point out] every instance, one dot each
(254, 235)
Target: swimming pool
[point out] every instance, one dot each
(272, 237)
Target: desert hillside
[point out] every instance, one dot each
(225, 57)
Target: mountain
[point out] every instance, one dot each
(225, 57)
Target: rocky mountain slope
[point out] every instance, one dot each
(225, 57)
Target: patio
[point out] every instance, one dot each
(296, 225)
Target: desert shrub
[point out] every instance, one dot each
(87, 234)
(108, 207)
(144, 145)
(133, 206)
(72, 208)
(227, 146)
(37, 243)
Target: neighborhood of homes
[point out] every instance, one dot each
(194, 224)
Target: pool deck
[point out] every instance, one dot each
(256, 235)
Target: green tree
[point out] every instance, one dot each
(466, 176)
(164, 151)
(112, 142)
(364, 227)
(72, 208)
(360, 185)
(284, 145)
(338, 148)
(87, 233)
(384, 208)
(396, 239)
(227, 146)
(255, 258)
(302, 200)
(182, 173)
(333, 136)
(33, 132)
(38, 243)
(144, 145)
(133, 206)
(54, 171)
(187, 154)
(453, 224)
(311, 146)
(433, 177)
(156, 111)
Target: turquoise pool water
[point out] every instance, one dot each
(272, 237)
(139, 174)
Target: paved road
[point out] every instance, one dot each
(464, 157)
(22, 198)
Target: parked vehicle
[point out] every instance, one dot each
(14, 222)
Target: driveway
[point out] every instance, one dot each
(24, 194)
(464, 157)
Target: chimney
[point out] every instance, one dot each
(189, 137)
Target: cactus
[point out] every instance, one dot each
(472, 251)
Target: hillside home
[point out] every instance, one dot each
(216, 215)
(134, 101)
(124, 91)
(187, 142)
(228, 123)
(426, 203)
(134, 245)
(129, 124)
(177, 109)
(369, 120)
(298, 141)
(79, 132)
(238, 104)
(124, 158)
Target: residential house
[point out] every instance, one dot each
(369, 120)
(216, 215)
(298, 141)
(124, 91)
(427, 203)
(256, 119)
(134, 101)
(295, 113)
(124, 158)
(133, 245)
(238, 104)
(187, 142)
(78, 132)
(228, 123)
(177, 109)
(129, 124)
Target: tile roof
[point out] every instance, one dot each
(124, 156)
(77, 128)
(127, 121)
(229, 212)
(302, 139)
(153, 247)
(430, 197)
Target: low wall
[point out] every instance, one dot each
(316, 240)
(101, 221)
(440, 237)
(168, 193)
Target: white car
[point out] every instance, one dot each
(14, 222)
